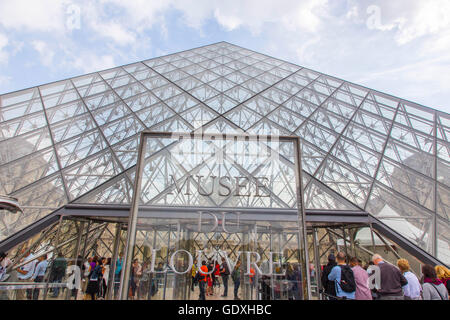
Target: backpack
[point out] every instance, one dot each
(347, 283)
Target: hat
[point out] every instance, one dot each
(331, 257)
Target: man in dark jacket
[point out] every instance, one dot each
(58, 272)
(328, 286)
(391, 280)
(225, 273)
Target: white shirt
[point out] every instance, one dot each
(29, 268)
(87, 267)
(106, 274)
(413, 288)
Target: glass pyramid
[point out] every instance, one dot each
(76, 140)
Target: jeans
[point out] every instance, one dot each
(37, 291)
(201, 285)
(236, 288)
(56, 290)
(225, 284)
(192, 283)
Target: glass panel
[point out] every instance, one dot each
(443, 201)
(168, 178)
(27, 170)
(23, 145)
(418, 188)
(443, 250)
(412, 222)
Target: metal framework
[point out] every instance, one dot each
(147, 174)
(76, 140)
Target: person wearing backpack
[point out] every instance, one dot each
(361, 280)
(433, 288)
(95, 278)
(391, 280)
(224, 273)
(236, 277)
(343, 277)
(58, 272)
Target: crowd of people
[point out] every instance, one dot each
(207, 278)
(93, 278)
(341, 278)
(344, 278)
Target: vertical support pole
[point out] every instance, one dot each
(373, 238)
(152, 275)
(435, 224)
(317, 262)
(302, 219)
(56, 246)
(344, 235)
(76, 252)
(132, 221)
(58, 233)
(112, 270)
(86, 240)
(352, 241)
(167, 261)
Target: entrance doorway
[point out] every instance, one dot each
(259, 260)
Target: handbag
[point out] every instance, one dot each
(442, 298)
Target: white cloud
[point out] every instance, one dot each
(116, 32)
(3, 54)
(42, 15)
(45, 52)
(88, 62)
(405, 19)
(255, 14)
(4, 81)
(329, 36)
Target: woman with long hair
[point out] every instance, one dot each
(444, 275)
(95, 278)
(433, 288)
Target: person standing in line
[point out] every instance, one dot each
(433, 288)
(413, 289)
(57, 272)
(343, 277)
(105, 276)
(225, 273)
(117, 274)
(391, 280)
(193, 273)
(5, 262)
(329, 286)
(159, 270)
(236, 277)
(39, 274)
(361, 280)
(95, 262)
(25, 274)
(210, 278)
(94, 279)
(202, 279)
(136, 272)
(86, 272)
(444, 275)
(216, 282)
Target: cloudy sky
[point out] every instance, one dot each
(401, 47)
